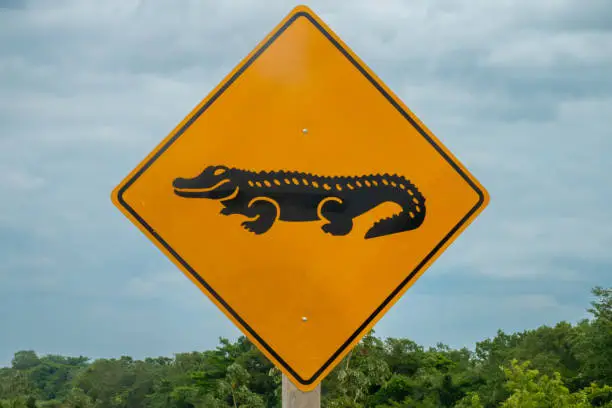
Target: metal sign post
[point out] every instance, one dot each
(294, 398)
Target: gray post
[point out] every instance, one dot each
(294, 398)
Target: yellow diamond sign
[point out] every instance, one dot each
(302, 197)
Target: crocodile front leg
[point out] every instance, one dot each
(266, 210)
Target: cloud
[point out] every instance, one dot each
(15, 180)
(11, 4)
(154, 285)
(518, 90)
(459, 320)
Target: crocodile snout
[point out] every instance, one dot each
(180, 182)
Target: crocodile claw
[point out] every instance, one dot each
(247, 226)
(254, 227)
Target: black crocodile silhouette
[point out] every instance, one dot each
(296, 196)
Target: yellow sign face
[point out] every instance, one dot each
(302, 197)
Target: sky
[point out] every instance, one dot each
(520, 91)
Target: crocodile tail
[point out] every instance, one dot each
(404, 221)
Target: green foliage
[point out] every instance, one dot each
(25, 359)
(362, 372)
(471, 400)
(594, 341)
(565, 366)
(529, 389)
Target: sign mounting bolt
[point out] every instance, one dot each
(304, 319)
(305, 131)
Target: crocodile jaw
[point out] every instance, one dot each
(186, 188)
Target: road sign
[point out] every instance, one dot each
(302, 197)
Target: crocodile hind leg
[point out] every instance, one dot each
(333, 210)
(266, 211)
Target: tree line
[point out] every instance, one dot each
(567, 365)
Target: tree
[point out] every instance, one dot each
(594, 341)
(25, 359)
(529, 389)
(361, 373)
(562, 366)
(234, 388)
(470, 400)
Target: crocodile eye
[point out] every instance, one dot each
(219, 171)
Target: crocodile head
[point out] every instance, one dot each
(215, 182)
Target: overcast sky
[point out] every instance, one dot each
(520, 91)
